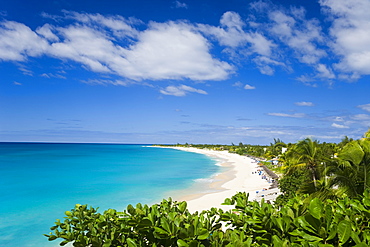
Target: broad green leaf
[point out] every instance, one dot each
(355, 237)
(365, 144)
(296, 232)
(248, 242)
(303, 221)
(131, 243)
(111, 211)
(160, 231)
(181, 243)
(165, 225)
(227, 202)
(64, 242)
(196, 220)
(182, 206)
(52, 237)
(344, 231)
(131, 210)
(178, 221)
(191, 230)
(53, 228)
(366, 201)
(352, 152)
(328, 216)
(203, 234)
(316, 208)
(276, 241)
(332, 233)
(310, 237)
(145, 223)
(139, 211)
(279, 222)
(290, 213)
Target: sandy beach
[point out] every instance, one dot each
(240, 176)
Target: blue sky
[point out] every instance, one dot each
(184, 71)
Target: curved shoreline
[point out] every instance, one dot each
(241, 176)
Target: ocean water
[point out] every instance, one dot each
(40, 181)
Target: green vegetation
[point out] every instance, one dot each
(326, 170)
(343, 223)
(325, 202)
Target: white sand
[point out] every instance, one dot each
(238, 178)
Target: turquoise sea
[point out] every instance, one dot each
(40, 181)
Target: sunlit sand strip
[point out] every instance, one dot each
(241, 176)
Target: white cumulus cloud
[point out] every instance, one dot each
(339, 126)
(179, 4)
(249, 87)
(365, 107)
(112, 45)
(350, 33)
(294, 115)
(304, 103)
(300, 34)
(324, 71)
(361, 117)
(46, 31)
(232, 33)
(181, 90)
(173, 51)
(238, 84)
(17, 42)
(241, 85)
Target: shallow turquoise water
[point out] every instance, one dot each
(39, 182)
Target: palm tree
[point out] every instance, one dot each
(308, 156)
(351, 172)
(345, 140)
(276, 147)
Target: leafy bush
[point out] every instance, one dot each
(342, 223)
(331, 223)
(290, 184)
(166, 224)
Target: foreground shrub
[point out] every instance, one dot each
(331, 223)
(166, 224)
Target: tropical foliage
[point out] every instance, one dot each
(326, 170)
(352, 170)
(344, 223)
(166, 224)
